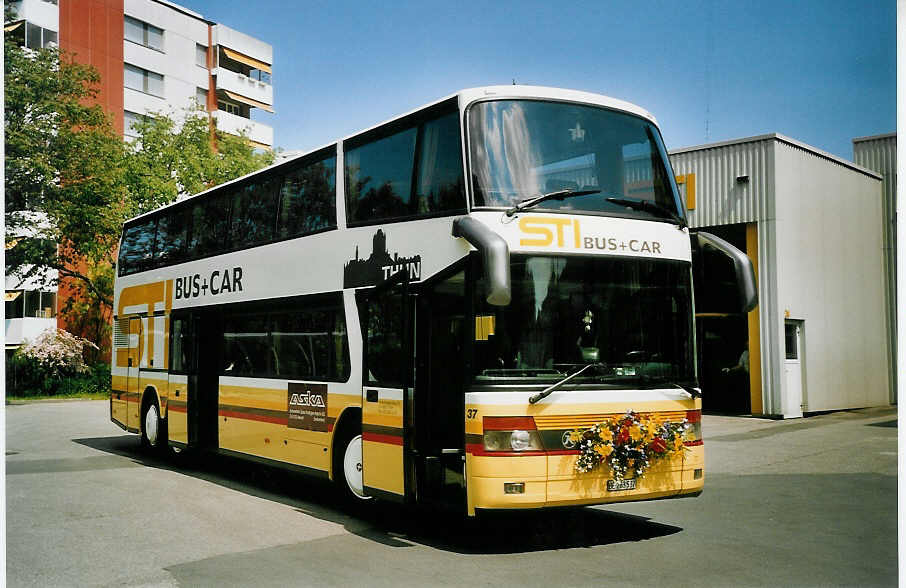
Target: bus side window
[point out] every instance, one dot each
(210, 225)
(253, 213)
(410, 169)
(137, 250)
(308, 199)
(247, 346)
(440, 185)
(182, 343)
(384, 348)
(172, 231)
(311, 344)
(379, 177)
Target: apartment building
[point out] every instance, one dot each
(157, 56)
(152, 56)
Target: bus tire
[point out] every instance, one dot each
(153, 427)
(347, 466)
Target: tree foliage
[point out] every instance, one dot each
(71, 181)
(63, 164)
(172, 157)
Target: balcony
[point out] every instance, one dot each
(260, 94)
(256, 49)
(19, 330)
(233, 124)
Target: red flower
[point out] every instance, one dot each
(658, 445)
(623, 435)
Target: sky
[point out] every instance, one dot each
(822, 72)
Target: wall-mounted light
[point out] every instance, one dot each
(742, 179)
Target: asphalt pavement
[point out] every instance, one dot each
(806, 502)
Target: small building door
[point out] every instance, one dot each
(794, 391)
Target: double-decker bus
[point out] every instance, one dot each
(486, 303)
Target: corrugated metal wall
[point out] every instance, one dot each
(880, 154)
(720, 199)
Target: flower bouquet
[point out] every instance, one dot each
(629, 444)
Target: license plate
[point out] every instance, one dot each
(614, 485)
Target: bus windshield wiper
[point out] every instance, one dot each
(650, 207)
(662, 381)
(547, 391)
(558, 195)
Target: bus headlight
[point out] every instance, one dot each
(511, 434)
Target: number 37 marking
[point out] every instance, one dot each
(471, 413)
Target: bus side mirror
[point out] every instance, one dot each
(495, 257)
(704, 244)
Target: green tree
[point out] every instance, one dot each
(170, 157)
(65, 185)
(71, 181)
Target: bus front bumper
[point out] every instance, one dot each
(523, 482)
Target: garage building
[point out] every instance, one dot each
(811, 223)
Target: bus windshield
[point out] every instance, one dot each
(521, 149)
(629, 316)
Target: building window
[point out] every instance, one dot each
(201, 96)
(143, 80)
(14, 304)
(259, 75)
(30, 304)
(201, 55)
(143, 33)
(37, 37)
(130, 119)
(229, 107)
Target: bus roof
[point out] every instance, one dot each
(465, 97)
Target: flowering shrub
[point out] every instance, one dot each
(53, 359)
(628, 444)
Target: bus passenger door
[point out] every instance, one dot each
(133, 390)
(182, 370)
(387, 329)
(439, 407)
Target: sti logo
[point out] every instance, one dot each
(307, 399)
(544, 230)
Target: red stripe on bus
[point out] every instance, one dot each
(253, 417)
(379, 438)
(176, 408)
(478, 449)
(695, 443)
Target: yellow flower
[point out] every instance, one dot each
(677, 443)
(649, 435)
(606, 434)
(635, 432)
(575, 436)
(603, 449)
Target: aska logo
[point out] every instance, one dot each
(307, 399)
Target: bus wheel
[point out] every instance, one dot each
(348, 467)
(154, 429)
